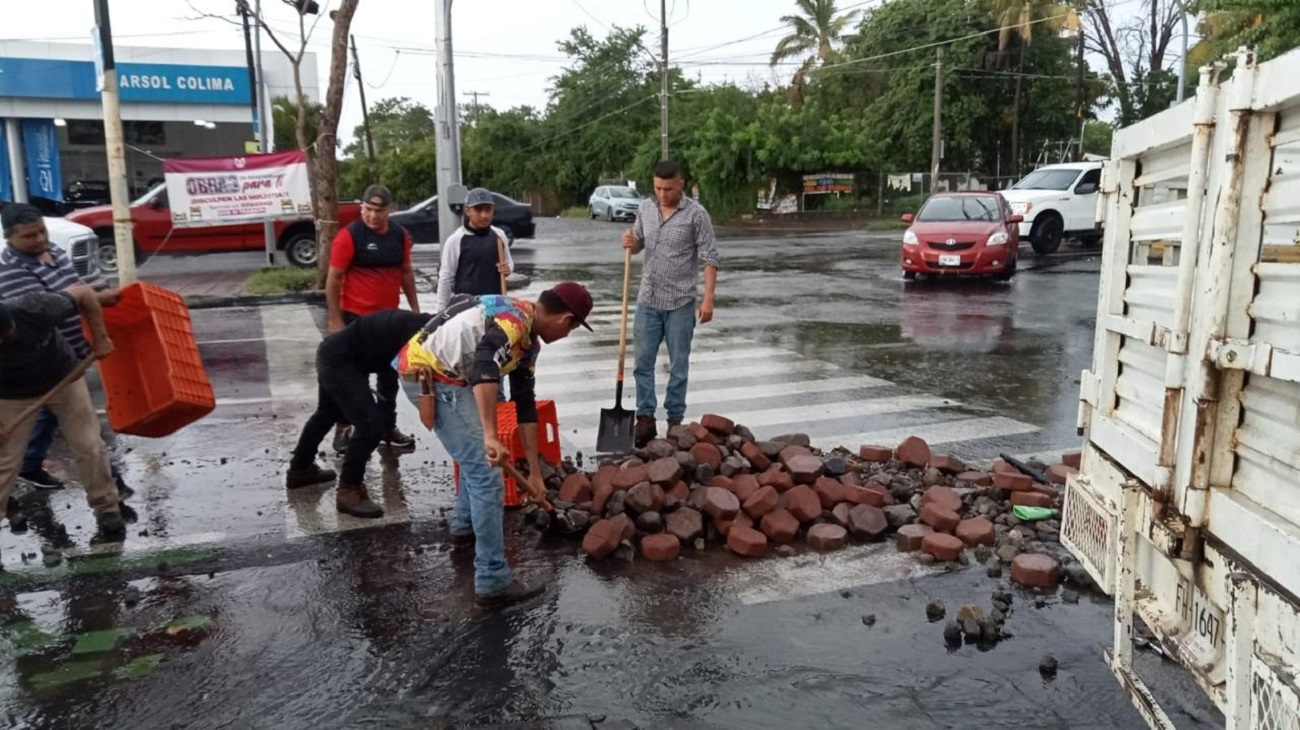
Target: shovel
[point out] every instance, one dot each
(27, 412)
(615, 434)
(501, 259)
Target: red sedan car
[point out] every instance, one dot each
(962, 234)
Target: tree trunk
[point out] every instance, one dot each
(1016, 167)
(300, 119)
(325, 193)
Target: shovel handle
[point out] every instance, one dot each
(521, 480)
(501, 259)
(622, 330)
(72, 376)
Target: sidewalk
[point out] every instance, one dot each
(201, 283)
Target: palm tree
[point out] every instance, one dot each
(813, 36)
(1018, 19)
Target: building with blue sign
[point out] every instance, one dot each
(175, 103)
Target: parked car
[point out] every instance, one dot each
(614, 203)
(86, 193)
(154, 233)
(1057, 201)
(514, 218)
(80, 242)
(962, 234)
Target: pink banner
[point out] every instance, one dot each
(214, 191)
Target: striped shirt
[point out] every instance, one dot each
(22, 274)
(674, 249)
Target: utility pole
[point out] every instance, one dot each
(1182, 62)
(474, 109)
(448, 129)
(259, 125)
(265, 129)
(663, 79)
(116, 149)
(1078, 98)
(936, 144)
(365, 111)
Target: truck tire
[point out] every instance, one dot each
(108, 252)
(591, 212)
(1047, 233)
(300, 248)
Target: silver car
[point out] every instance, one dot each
(614, 203)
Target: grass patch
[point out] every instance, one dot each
(281, 280)
(576, 211)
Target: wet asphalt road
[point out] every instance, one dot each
(234, 604)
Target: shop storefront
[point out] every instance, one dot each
(175, 103)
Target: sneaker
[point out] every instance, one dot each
(354, 499)
(398, 440)
(516, 592)
(307, 476)
(41, 479)
(645, 431)
(341, 437)
(459, 541)
(112, 528)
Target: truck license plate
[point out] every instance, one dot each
(1205, 624)
(949, 259)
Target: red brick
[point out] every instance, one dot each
(661, 547)
(1058, 473)
(862, 495)
(724, 526)
(910, 537)
(645, 497)
(696, 498)
(664, 472)
(791, 451)
(625, 479)
(721, 481)
(1035, 570)
(625, 525)
(601, 498)
(720, 425)
(914, 451)
(1002, 467)
(755, 456)
(947, 464)
(1073, 459)
(679, 491)
(1047, 489)
(942, 520)
(748, 542)
(943, 547)
(576, 488)
(867, 522)
(775, 477)
(840, 513)
(1012, 481)
(780, 526)
(604, 475)
(601, 539)
(1030, 499)
(878, 454)
(720, 504)
(829, 491)
(762, 501)
(804, 468)
(702, 434)
(707, 454)
(803, 503)
(744, 486)
(944, 497)
(826, 537)
(851, 479)
(977, 531)
(977, 478)
(685, 524)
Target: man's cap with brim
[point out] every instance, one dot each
(378, 195)
(479, 196)
(576, 299)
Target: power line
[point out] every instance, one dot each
(580, 127)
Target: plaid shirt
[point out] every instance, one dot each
(673, 251)
(22, 274)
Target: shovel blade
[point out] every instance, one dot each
(615, 434)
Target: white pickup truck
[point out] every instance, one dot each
(1187, 504)
(1057, 201)
(82, 246)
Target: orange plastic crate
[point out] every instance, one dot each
(154, 380)
(548, 441)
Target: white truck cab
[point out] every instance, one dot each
(1057, 201)
(82, 246)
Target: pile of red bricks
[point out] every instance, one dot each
(713, 482)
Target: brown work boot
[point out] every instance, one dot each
(645, 431)
(353, 499)
(299, 477)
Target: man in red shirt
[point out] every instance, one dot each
(370, 267)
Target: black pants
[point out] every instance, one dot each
(386, 386)
(344, 397)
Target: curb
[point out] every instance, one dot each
(515, 281)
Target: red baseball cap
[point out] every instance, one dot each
(576, 299)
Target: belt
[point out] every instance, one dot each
(449, 381)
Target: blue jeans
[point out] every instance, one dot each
(38, 444)
(480, 505)
(651, 328)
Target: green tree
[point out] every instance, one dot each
(813, 35)
(1271, 27)
(405, 152)
(284, 120)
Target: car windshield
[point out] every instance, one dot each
(960, 208)
(149, 195)
(1047, 180)
(623, 193)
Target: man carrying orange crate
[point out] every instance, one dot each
(370, 267)
(35, 360)
(466, 349)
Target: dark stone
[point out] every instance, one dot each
(703, 473)
(1047, 666)
(935, 611)
(952, 634)
(835, 466)
(794, 439)
(650, 522)
(1070, 596)
(617, 504)
(995, 570)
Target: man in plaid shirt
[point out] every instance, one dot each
(676, 234)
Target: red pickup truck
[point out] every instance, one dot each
(154, 233)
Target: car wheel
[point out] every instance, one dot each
(108, 256)
(1046, 235)
(609, 214)
(909, 276)
(510, 235)
(1009, 272)
(301, 249)
(591, 212)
